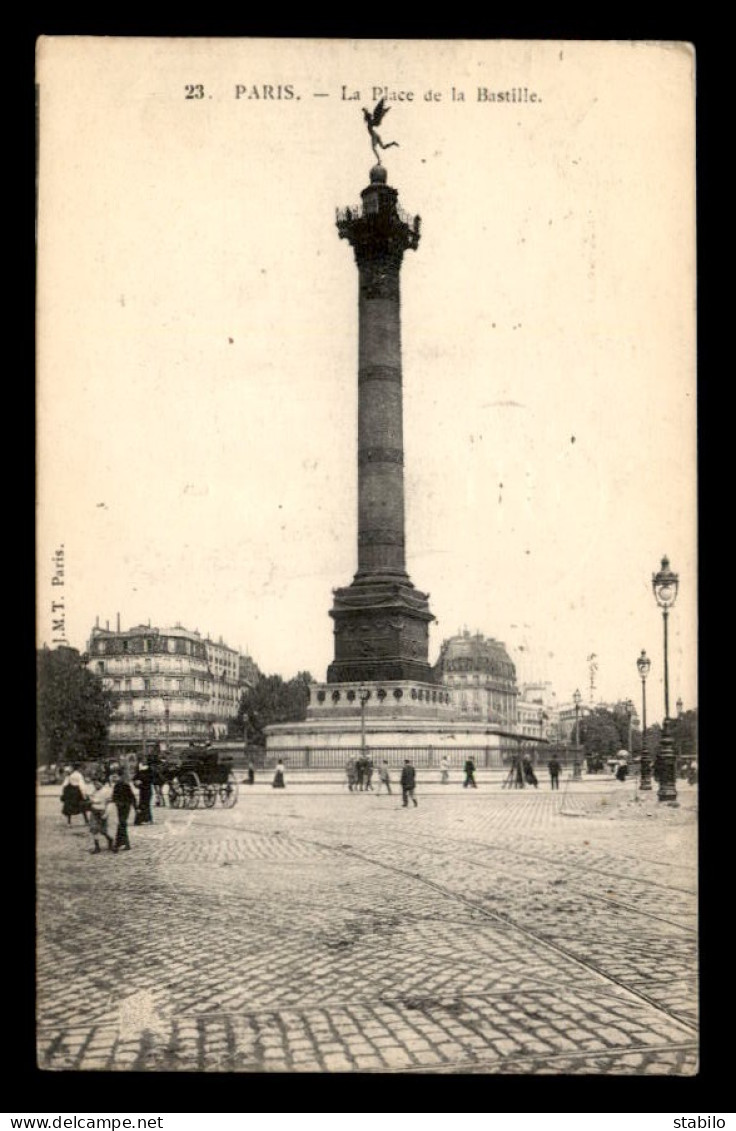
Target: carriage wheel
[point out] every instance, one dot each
(190, 790)
(209, 795)
(175, 795)
(228, 792)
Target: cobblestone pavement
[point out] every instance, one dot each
(494, 932)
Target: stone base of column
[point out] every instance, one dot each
(381, 632)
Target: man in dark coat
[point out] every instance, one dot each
(554, 768)
(144, 781)
(408, 783)
(123, 799)
(469, 768)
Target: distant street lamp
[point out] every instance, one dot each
(143, 730)
(364, 695)
(665, 585)
(643, 665)
(166, 721)
(576, 773)
(630, 715)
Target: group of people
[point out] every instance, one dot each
(359, 773)
(106, 787)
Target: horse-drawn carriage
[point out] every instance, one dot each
(197, 775)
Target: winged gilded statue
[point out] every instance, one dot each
(373, 120)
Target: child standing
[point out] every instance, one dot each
(98, 814)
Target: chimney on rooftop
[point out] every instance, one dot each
(118, 622)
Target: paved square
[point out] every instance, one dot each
(321, 930)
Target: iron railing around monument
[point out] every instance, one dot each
(421, 757)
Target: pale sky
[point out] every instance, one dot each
(197, 383)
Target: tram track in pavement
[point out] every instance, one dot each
(604, 984)
(572, 869)
(507, 921)
(464, 844)
(498, 917)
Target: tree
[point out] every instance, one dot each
(684, 731)
(600, 736)
(272, 700)
(73, 710)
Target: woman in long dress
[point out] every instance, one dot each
(73, 795)
(278, 777)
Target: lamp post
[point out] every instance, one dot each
(166, 721)
(577, 697)
(665, 584)
(364, 695)
(679, 707)
(643, 665)
(143, 730)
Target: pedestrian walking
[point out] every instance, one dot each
(360, 772)
(144, 781)
(529, 776)
(384, 777)
(369, 774)
(554, 768)
(408, 783)
(445, 770)
(251, 773)
(99, 803)
(351, 774)
(279, 781)
(74, 794)
(123, 799)
(469, 769)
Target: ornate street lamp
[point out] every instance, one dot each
(643, 665)
(577, 698)
(665, 585)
